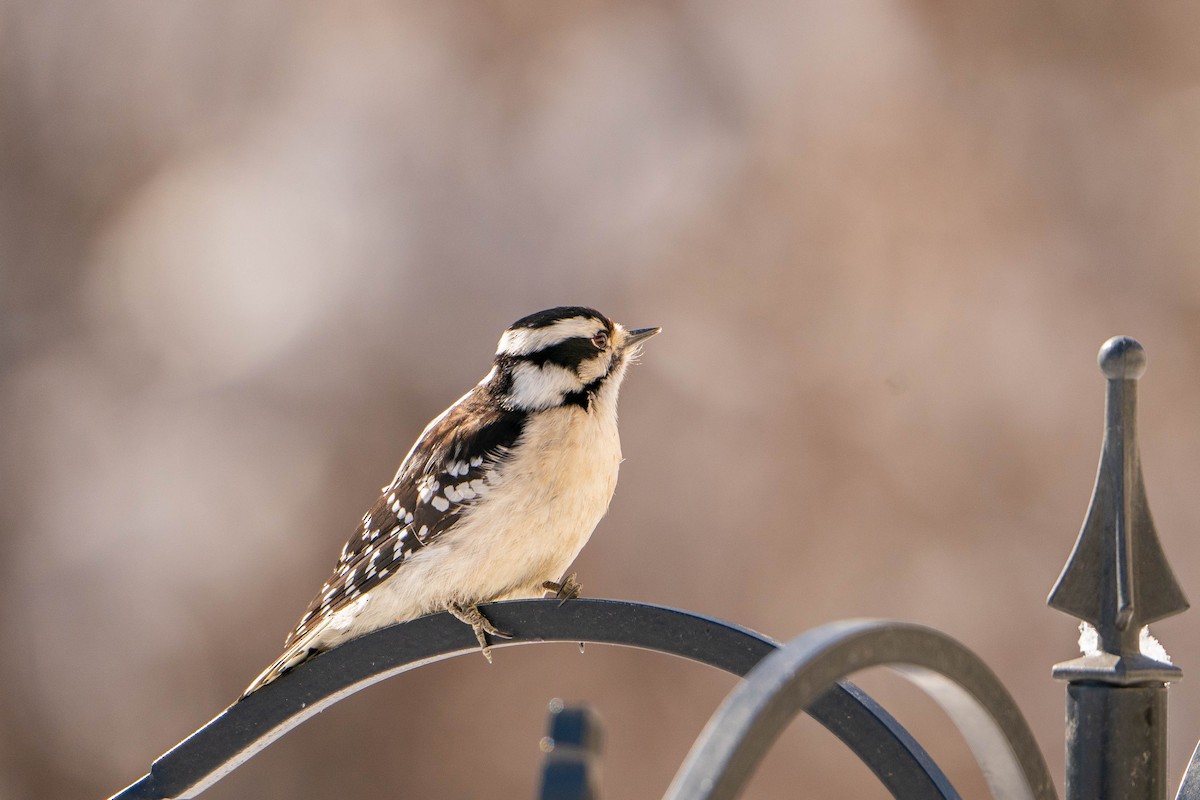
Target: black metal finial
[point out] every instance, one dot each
(1117, 577)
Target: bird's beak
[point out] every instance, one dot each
(639, 335)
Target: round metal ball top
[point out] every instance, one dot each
(1122, 358)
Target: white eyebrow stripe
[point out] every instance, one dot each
(522, 341)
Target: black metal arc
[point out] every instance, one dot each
(246, 727)
(789, 680)
(1189, 787)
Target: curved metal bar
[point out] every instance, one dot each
(1189, 787)
(746, 725)
(246, 727)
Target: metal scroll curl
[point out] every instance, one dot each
(788, 681)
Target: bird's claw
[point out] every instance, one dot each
(566, 589)
(480, 625)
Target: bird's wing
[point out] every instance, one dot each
(447, 471)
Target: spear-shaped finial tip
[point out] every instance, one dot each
(1117, 578)
(1122, 358)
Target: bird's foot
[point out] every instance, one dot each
(480, 624)
(566, 589)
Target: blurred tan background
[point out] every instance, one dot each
(248, 249)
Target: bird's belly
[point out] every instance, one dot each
(527, 530)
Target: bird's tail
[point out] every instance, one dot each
(293, 657)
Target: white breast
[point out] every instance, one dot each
(533, 526)
(538, 514)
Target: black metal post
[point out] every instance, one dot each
(1117, 741)
(571, 768)
(1118, 580)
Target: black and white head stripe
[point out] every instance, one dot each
(556, 357)
(543, 330)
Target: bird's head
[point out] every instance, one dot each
(568, 355)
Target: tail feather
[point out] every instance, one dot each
(292, 658)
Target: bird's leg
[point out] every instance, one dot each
(480, 624)
(566, 589)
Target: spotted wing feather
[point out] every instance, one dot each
(447, 471)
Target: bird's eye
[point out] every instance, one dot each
(600, 340)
